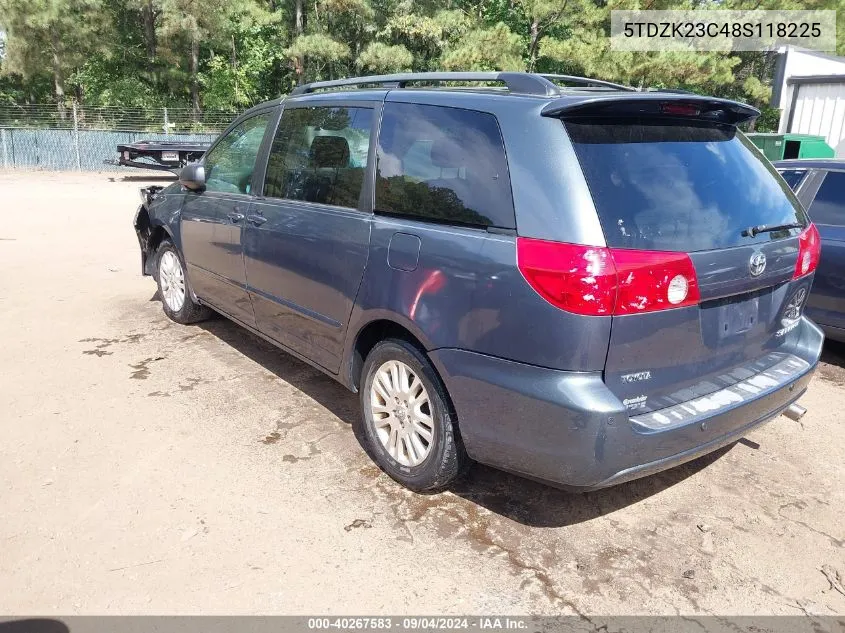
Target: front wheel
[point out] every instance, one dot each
(173, 287)
(407, 424)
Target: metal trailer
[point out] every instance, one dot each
(162, 155)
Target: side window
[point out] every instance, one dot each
(443, 165)
(829, 205)
(793, 177)
(229, 166)
(320, 155)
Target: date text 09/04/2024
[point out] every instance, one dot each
(418, 623)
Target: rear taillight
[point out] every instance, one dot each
(575, 278)
(654, 280)
(809, 251)
(603, 281)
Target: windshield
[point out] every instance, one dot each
(680, 186)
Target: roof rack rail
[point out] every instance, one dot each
(586, 81)
(523, 83)
(516, 82)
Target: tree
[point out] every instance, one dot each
(58, 35)
(425, 33)
(319, 48)
(187, 25)
(299, 30)
(231, 54)
(494, 48)
(244, 75)
(385, 58)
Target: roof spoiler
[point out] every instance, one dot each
(660, 104)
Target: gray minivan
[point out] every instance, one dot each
(820, 186)
(560, 277)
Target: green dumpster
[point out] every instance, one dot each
(782, 146)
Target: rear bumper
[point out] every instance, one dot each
(568, 429)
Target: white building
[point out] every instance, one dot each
(809, 89)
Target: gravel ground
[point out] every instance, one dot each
(148, 467)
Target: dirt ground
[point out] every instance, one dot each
(147, 467)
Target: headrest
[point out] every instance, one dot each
(329, 151)
(447, 152)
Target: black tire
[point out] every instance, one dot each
(190, 311)
(446, 459)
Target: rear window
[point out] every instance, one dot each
(688, 186)
(440, 164)
(829, 205)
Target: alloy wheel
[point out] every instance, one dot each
(401, 413)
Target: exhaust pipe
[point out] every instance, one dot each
(795, 412)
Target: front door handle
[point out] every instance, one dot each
(234, 216)
(257, 220)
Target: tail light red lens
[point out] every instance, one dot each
(575, 278)
(603, 281)
(809, 251)
(654, 280)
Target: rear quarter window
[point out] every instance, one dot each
(829, 204)
(679, 185)
(793, 177)
(442, 164)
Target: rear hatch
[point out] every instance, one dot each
(709, 289)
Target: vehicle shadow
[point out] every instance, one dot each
(833, 353)
(33, 625)
(332, 395)
(832, 365)
(524, 501)
(539, 505)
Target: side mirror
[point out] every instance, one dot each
(192, 176)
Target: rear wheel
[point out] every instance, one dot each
(407, 425)
(173, 287)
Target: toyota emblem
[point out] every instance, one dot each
(757, 264)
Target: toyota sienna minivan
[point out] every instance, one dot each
(561, 277)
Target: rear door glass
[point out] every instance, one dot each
(320, 155)
(443, 164)
(680, 186)
(829, 205)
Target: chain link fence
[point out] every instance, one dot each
(43, 136)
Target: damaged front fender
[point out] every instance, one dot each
(149, 235)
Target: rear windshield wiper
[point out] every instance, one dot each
(769, 228)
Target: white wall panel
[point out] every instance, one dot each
(820, 109)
